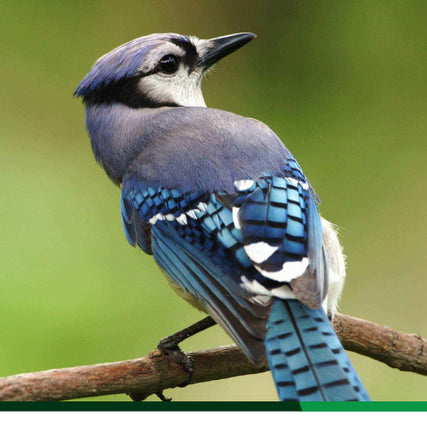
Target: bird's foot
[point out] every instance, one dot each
(162, 397)
(169, 346)
(139, 397)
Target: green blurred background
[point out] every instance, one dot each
(341, 82)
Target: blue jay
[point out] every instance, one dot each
(224, 208)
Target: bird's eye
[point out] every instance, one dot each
(169, 64)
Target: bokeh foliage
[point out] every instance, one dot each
(341, 82)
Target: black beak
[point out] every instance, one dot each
(223, 46)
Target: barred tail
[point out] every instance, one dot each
(306, 357)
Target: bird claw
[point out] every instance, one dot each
(162, 397)
(169, 347)
(139, 397)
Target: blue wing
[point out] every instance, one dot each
(243, 256)
(193, 239)
(203, 245)
(282, 232)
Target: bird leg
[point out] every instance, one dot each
(170, 346)
(172, 341)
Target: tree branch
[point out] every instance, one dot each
(157, 371)
(407, 352)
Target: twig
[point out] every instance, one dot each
(157, 371)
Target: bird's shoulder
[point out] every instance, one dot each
(198, 148)
(197, 122)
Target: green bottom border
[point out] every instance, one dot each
(215, 406)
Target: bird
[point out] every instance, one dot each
(224, 208)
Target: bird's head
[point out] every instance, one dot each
(157, 70)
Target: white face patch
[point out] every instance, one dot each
(151, 61)
(182, 88)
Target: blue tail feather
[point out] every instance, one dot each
(306, 358)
